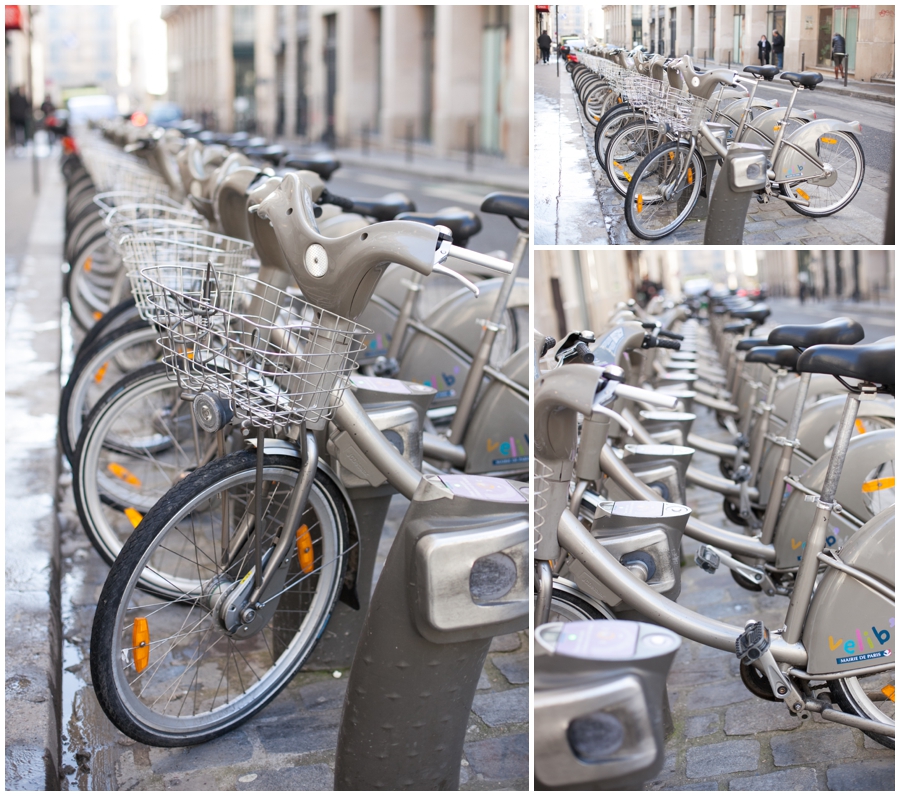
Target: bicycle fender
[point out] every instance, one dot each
(791, 163)
(849, 625)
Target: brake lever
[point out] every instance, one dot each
(442, 269)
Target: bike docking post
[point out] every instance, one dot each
(600, 704)
(456, 576)
(742, 174)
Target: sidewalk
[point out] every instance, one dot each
(33, 667)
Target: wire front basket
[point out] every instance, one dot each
(541, 473)
(681, 111)
(177, 245)
(153, 219)
(110, 200)
(278, 359)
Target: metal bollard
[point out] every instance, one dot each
(742, 173)
(599, 704)
(456, 576)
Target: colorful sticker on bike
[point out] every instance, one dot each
(443, 384)
(512, 451)
(862, 645)
(789, 172)
(830, 540)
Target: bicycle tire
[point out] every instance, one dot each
(287, 637)
(853, 699)
(643, 179)
(610, 123)
(626, 150)
(567, 607)
(136, 442)
(90, 279)
(812, 192)
(121, 351)
(120, 314)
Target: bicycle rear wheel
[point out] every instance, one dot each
(663, 191)
(166, 670)
(828, 195)
(868, 698)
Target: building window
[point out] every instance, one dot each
(775, 20)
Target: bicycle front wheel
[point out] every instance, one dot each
(626, 150)
(663, 191)
(166, 670)
(833, 192)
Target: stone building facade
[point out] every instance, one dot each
(451, 78)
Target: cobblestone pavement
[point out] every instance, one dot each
(725, 738)
(862, 221)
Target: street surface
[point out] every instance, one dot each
(574, 203)
(725, 738)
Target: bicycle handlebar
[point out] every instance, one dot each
(645, 396)
(484, 260)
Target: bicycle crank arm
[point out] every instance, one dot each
(708, 559)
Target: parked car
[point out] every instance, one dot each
(165, 114)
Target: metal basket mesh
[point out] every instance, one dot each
(110, 200)
(541, 473)
(178, 245)
(681, 111)
(149, 219)
(278, 359)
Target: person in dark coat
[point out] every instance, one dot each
(544, 42)
(778, 49)
(838, 50)
(19, 111)
(764, 49)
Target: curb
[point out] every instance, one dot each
(33, 611)
(856, 93)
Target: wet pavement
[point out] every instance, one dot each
(561, 172)
(57, 737)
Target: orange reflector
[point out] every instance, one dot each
(829, 140)
(134, 516)
(776, 128)
(88, 263)
(140, 641)
(671, 156)
(97, 315)
(98, 376)
(690, 176)
(304, 549)
(888, 691)
(877, 484)
(859, 426)
(802, 193)
(123, 474)
(640, 202)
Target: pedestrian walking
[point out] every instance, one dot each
(778, 49)
(764, 49)
(19, 111)
(47, 109)
(838, 51)
(544, 42)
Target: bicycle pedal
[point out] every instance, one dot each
(707, 559)
(752, 644)
(741, 441)
(385, 367)
(741, 474)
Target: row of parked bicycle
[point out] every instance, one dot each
(662, 125)
(809, 477)
(235, 470)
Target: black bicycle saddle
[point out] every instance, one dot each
(751, 342)
(273, 154)
(463, 224)
(767, 73)
(838, 331)
(782, 356)
(737, 327)
(806, 79)
(873, 362)
(512, 205)
(385, 209)
(323, 165)
(756, 313)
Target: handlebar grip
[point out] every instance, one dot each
(484, 260)
(645, 396)
(670, 335)
(584, 353)
(548, 343)
(675, 345)
(328, 198)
